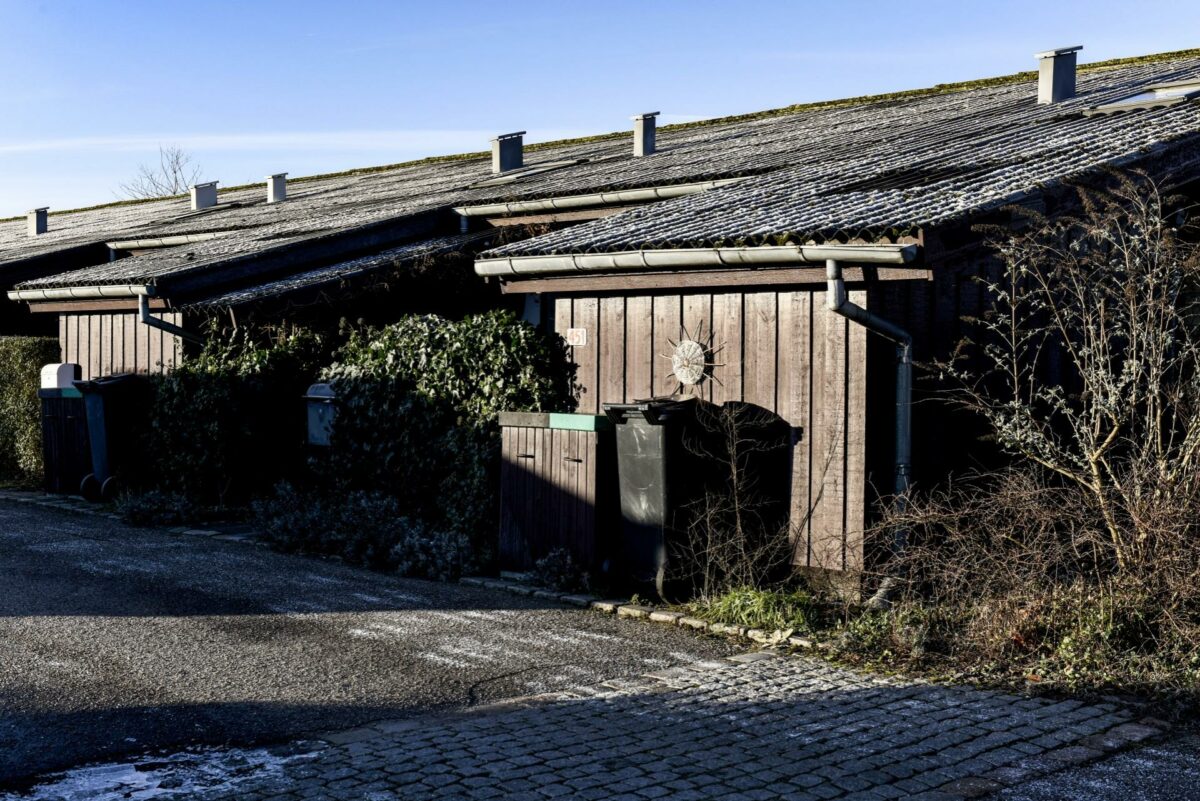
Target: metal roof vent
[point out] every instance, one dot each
(277, 187)
(508, 152)
(1056, 74)
(36, 221)
(1159, 95)
(644, 126)
(204, 195)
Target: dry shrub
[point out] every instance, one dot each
(736, 534)
(1082, 562)
(1012, 573)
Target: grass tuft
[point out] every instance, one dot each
(762, 609)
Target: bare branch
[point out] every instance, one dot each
(174, 175)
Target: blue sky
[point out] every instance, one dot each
(255, 87)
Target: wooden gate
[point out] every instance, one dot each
(557, 488)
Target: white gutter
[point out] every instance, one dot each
(81, 292)
(143, 293)
(165, 241)
(693, 258)
(596, 199)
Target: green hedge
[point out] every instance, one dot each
(478, 366)
(21, 362)
(418, 403)
(228, 424)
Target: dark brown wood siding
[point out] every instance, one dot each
(938, 314)
(107, 343)
(780, 350)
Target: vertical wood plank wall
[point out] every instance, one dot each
(550, 495)
(107, 343)
(781, 350)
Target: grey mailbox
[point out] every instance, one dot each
(321, 412)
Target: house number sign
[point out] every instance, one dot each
(577, 337)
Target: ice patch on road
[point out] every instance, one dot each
(195, 774)
(595, 635)
(317, 578)
(446, 661)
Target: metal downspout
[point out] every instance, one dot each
(149, 319)
(837, 301)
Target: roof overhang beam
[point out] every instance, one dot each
(165, 241)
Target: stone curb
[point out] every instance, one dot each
(518, 584)
(72, 503)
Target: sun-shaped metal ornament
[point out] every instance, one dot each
(692, 358)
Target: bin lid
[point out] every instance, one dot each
(320, 392)
(653, 410)
(105, 382)
(64, 392)
(558, 420)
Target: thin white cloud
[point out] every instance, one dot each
(433, 141)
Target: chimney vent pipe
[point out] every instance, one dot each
(37, 219)
(277, 187)
(508, 152)
(644, 129)
(204, 195)
(1056, 74)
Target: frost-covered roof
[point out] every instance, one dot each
(866, 165)
(887, 168)
(335, 274)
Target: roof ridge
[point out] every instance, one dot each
(796, 108)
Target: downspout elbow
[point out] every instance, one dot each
(838, 302)
(148, 319)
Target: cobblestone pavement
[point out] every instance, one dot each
(755, 726)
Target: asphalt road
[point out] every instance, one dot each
(118, 641)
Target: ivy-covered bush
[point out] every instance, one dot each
(418, 403)
(368, 528)
(228, 424)
(478, 366)
(21, 362)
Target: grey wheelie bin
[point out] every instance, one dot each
(657, 479)
(113, 408)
